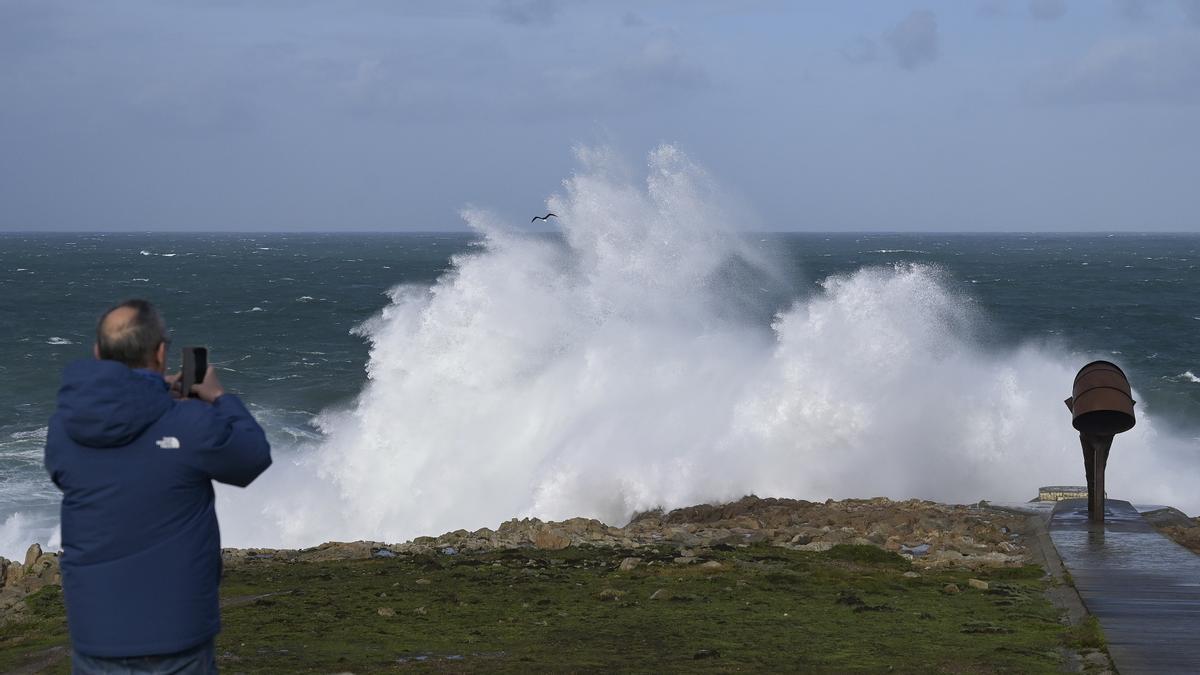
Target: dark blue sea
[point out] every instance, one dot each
(543, 340)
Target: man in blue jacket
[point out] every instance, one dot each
(141, 556)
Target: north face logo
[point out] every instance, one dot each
(168, 443)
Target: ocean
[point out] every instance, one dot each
(416, 383)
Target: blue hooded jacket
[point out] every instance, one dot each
(141, 556)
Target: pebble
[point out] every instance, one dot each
(950, 589)
(611, 594)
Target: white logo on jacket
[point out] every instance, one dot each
(168, 443)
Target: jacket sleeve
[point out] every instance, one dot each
(233, 449)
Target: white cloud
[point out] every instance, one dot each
(1191, 8)
(993, 7)
(632, 20)
(527, 12)
(861, 49)
(1134, 11)
(1136, 70)
(1047, 10)
(914, 41)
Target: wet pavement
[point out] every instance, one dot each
(1143, 587)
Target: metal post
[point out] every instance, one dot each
(1101, 406)
(1095, 460)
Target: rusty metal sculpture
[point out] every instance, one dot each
(1101, 406)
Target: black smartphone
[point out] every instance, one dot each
(195, 364)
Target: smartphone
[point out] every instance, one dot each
(195, 364)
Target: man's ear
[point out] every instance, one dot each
(161, 354)
(96, 351)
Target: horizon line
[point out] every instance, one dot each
(548, 231)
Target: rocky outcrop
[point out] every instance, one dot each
(928, 533)
(1176, 525)
(19, 579)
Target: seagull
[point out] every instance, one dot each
(548, 215)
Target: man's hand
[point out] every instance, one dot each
(210, 389)
(175, 384)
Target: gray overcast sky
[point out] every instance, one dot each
(377, 115)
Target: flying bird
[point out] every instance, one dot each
(548, 215)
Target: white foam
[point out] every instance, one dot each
(33, 434)
(55, 340)
(19, 530)
(1188, 376)
(304, 298)
(617, 372)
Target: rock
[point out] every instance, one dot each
(817, 546)
(686, 560)
(911, 575)
(976, 583)
(31, 556)
(551, 540)
(681, 535)
(950, 589)
(712, 565)
(660, 594)
(46, 570)
(337, 550)
(932, 535)
(849, 598)
(706, 654)
(419, 611)
(746, 535)
(1168, 517)
(385, 611)
(610, 594)
(1096, 659)
(629, 564)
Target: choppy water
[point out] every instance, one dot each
(277, 311)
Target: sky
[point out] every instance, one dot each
(365, 115)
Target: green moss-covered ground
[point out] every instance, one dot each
(766, 609)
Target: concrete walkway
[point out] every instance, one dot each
(1143, 587)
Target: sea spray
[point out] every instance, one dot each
(621, 367)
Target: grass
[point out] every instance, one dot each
(850, 609)
(1087, 635)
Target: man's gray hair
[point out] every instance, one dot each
(133, 342)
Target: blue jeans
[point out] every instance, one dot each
(199, 660)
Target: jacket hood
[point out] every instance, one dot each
(105, 404)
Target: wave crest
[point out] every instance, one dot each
(625, 366)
